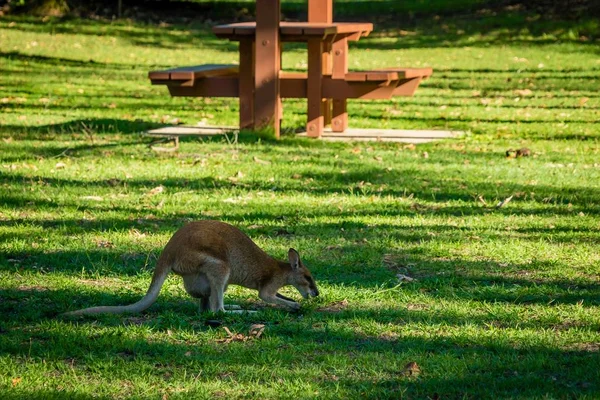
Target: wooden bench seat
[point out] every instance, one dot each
(388, 74)
(187, 76)
(405, 80)
(223, 81)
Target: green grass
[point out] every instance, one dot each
(505, 301)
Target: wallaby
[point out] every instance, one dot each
(209, 255)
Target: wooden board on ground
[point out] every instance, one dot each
(387, 135)
(192, 131)
(351, 134)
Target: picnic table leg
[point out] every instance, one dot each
(267, 62)
(322, 11)
(246, 84)
(280, 114)
(314, 126)
(339, 121)
(326, 103)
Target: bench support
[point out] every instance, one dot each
(266, 75)
(246, 84)
(321, 11)
(339, 121)
(316, 120)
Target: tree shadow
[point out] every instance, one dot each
(88, 127)
(357, 263)
(491, 362)
(415, 23)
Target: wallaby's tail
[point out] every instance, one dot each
(158, 279)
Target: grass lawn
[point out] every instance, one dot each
(505, 302)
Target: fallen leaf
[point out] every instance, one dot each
(94, 198)
(259, 161)
(504, 202)
(237, 337)
(411, 369)
(583, 100)
(335, 307)
(402, 277)
(16, 381)
(104, 244)
(524, 92)
(390, 261)
(136, 233)
(256, 330)
(60, 165)
(156, 190)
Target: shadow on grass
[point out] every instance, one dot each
(424, 189)
(88, 127)
(453, 365)
(359, 265)
(471, 22)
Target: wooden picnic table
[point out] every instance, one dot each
(321, 37)
(260, 83)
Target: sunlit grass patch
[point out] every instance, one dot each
(419, 255)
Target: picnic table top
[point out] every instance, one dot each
(297, 30)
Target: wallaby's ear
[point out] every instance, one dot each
(294, 258)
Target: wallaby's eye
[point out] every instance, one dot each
(308, 278)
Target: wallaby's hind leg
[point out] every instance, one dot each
(217, 289)
(198, 286)
(204, 305)
(217, 274)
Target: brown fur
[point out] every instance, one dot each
(209, 255)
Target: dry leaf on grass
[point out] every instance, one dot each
(259, 161)
(156, 190)
(136, 321)
(404, 278)
(105, 244)
(504, 202)
(524, 92)
(335, 307)
(411, 369)
(390, 261)
(239, 175)
(94, 198)
(256, 330)
(16, 381)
